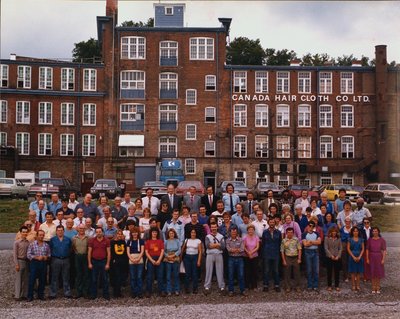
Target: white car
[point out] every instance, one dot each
(11, 187)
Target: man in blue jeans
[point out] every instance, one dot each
(235, 248)
(311, 240)
(271, 243)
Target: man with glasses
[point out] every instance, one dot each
(35, 204)
(31, 233)
(360, 213)
(34, 222)
(21, 264)
(41, 211)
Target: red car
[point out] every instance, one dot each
(183, 187)
(296, 189)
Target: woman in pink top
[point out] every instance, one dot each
(251, 246)
(376, 255)
(289, 222)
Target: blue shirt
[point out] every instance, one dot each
(43, 213)
(110, 232)
(339, 203)
(54, 207)
(203, 220)
(310, 236)
(70, 233)
(237, 220)
(134, 246)
(60, 249)
(34, 206)
(271, 243)
(88, 211)
(303, 222)
(329, 206)
(227, 202)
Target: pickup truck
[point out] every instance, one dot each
(47, 186)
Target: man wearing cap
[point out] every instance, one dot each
(311, 241)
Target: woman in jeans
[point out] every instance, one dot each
(135, 252)
(333, 252)
(344, 237)
(154, 249)
(192, 251)
(251, 246)
(172, 252)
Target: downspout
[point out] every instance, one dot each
(78, 156)
(231, 128)
(317, 144)
(217, 110)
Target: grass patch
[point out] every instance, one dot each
(14, 212)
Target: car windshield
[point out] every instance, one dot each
(57, 182)
(105, 184)
(267, 186)
(299, 187)
(388, 187)
(153, 184)
(346, 187)
(187, 184)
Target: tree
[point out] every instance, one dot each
(280, 57)
(140, 24)
(243, 51)
(316, 59)
(86, 51)
(345, 60)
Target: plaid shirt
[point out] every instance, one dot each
(35, 250)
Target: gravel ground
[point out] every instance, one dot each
(256, 305)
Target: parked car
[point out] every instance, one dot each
(11, 187)
(106, 187)
(48, 186)
(332, 191)
(183, 187)
(296, 189)
(382, 193)
(239, 186)
(261, 188)
(159, 188)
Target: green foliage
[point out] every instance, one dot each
(316, 59)
(140, 24)
(243, 51)
(86, 51)
(279, 57)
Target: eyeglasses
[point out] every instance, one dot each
(366, 222)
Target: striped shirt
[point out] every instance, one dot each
(35, 250)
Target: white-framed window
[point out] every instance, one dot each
(89, 79)
(22, 143)
(261, 143)
(168, 146)
(190, 166)
(191, 97)
(347, 146)
(209, 148)
(210, 82)
(262, 177)
(304, 115)
(45, 78)
(3, 75)
(201, 48)
(169, 11)
(67, 79)
(125, 151)
(45, 113)
(67, 113)
(131, 112)
(325, 82)
(282, 115)
(240, 176)
(240, 81)
(304, 82)
(346, 83)
(346, 116)
(348, 178)
(283, 146)
(23, 112)
(133, 48)
(3, 138)
(304, 147)
(88, 145)
(89, 114)
(210, 114)
(305, 182)
(191, 132)
(44, 144)
(168, 114)
(325, 178)
(261, 115)
(168, 85)
(282, 82)
(240, 115)
(240, 146)
(283, 180)
(325, 116)
(326, 146)
(132, 80)
(261, 81)
(169, 53)
(3, 111)
(66, 145)
(24, 77)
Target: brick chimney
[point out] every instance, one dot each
(112, 9)
(295, 62)
(356, 63)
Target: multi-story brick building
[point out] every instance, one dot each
(166, 92)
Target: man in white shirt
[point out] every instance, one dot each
(79, 219)
(127, 201)
(153, 203)
(60, 219)
(303, 201)
(260, 224)
(72, 201)
(102, 222)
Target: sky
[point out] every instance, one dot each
(49, 28)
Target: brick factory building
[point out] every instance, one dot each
(165, 92)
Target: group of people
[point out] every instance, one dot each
(176, 239)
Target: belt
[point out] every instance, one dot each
(26, 259)
(59, 257)
(235, 256)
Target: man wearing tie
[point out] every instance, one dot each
(268, 201)
(174, 201)
(153, 203)
(230, 199)
(192, 200)
(209, 200)
(248, 203)
(40, 211)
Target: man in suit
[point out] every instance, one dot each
(248, 203)
(209, 200)
(268, 201)
(192, 200)
(174, 201)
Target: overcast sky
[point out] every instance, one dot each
(49, 28)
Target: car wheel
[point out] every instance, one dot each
(367, 199)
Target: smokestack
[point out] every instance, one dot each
(112, 9)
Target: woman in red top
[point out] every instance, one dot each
(154, 249)
(376, 254)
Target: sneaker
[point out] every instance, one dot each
(207, 291)
(168, 294)
(177, 293)
(316, 289)
(277, 289)
(222, 291)
(231, 294)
